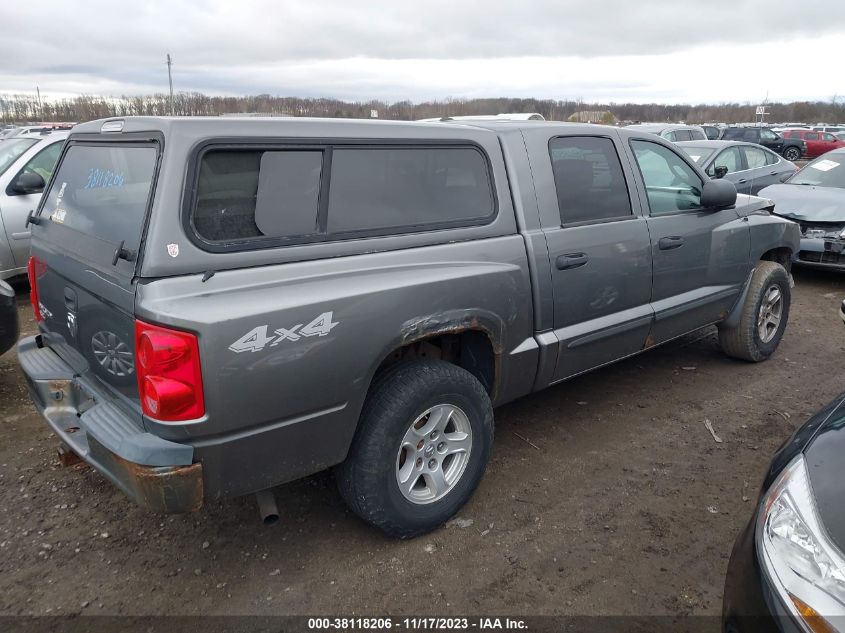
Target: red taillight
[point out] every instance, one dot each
(34, 269)
(169, 373)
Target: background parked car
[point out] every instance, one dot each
(815, 198)
(750, 167)
(29, 130)
(21, 184)
(818, 143)
(671, 132)
(711, 132)
(829, 128)
(8, 317)
(790, 149)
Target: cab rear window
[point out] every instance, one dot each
(103, 191)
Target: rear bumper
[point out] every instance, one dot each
(158, 474)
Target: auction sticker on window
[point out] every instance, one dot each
(824, 165)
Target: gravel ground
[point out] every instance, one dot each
(605, 495)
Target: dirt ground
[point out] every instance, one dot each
(605, 495)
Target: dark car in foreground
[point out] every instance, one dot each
(789, 148)
(748, 166)
(787, 569)
(815, 198)
(8, 317)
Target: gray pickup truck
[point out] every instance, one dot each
(226, 305)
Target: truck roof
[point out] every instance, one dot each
(274, 127)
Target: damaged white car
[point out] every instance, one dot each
(815, 198)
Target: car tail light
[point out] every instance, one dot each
(169, 373)
(34, 269)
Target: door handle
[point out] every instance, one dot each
(773, 173)
(742, 180)
(668, 243)
(571, 260)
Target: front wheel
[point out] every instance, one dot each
(792, 153)
(422, 444)
(764, 315)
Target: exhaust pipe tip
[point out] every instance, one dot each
(267, 507)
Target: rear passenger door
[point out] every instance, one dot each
(814, 145)
(701, 256)
(598, 245)
(763, 169)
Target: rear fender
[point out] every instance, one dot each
(450, 322)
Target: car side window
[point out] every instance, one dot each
(828, 137)
(670, 136)
(671, 184)
(44, 162)
(812, 136)
(768, 135)
(750, 135)
(697, 135)
(771, 158)
(683, 135)
(754, 157)
(589, 180)
(729, 158)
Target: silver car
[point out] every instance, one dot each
(26, 165)
(747, 165)
(673, 132)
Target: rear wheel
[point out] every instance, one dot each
(791, 153)
(422, 445)
(764, 315)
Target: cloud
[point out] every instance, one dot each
(600, 49)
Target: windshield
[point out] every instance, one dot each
(825, 171)
(12, 149)
(698, 154)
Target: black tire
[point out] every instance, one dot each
(792, 153)
(368, 478)
(743, 341)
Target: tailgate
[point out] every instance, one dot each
(85, 249)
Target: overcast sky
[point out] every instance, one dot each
(665, 51)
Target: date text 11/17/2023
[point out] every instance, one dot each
(418, 624)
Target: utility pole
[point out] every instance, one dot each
(170, 81)
(40, 109)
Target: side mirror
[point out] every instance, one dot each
(718, 194)
(786, 176)
(28, 182)
(721, 171)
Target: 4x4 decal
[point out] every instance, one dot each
(257, 338)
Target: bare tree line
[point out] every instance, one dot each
(23, 108)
